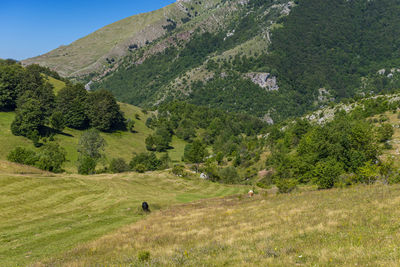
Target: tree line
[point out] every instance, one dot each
(41, 113)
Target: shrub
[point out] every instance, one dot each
(118, 165)
(140, 168)
(145, 162)
(179, 170)
(368, 173)
(385, 132)
(143, 256)
(51, 157)
(326, 173)
(394, 179)
(86, 165)
(286, 185)
(22, 156)
(130, 125)
(229, 175)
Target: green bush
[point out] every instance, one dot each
(326, 173)
(118, 165)
(368, 173)
(179, 170)
(145, 162)
(286, 185)
(51, 157)
(140, 168)
(22, 156)
(385, 132)
(229, 175)
(394, 179)
(144, 256)
(130, 125)
(86, 165)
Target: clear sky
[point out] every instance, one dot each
(29, 28)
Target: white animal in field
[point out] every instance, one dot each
(251, 193)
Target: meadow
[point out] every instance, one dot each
(44, 214)
(120, 144)
(356, 226)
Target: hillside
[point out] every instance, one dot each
(98, 52)
(119, 144)
(273, 59)
(144, 72)
(309, 228)
(43, 215)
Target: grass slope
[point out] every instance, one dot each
(119, 144)
(341, 227)
(88, 54)
(44, 215)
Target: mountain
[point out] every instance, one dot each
(273, 59)
(93, 54)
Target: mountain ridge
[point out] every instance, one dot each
(274, 59)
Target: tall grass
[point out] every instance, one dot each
(341, 227)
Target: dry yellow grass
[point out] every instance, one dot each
(14, 168)
(45, 215)
(358, 226)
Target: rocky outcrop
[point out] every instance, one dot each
(264, 80)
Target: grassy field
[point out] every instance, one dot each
(358, 226)
(119, 144)
(43, 215)
(58, 85)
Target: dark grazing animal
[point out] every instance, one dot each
(145, 207)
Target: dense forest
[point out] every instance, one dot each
(333, 45)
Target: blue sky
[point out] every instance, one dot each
(32, 27)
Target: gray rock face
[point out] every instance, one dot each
(267, 118)
(264, 80)
(87, 86)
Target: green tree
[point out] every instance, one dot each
(327, 172)
(145, 162)
(229, 175)
(195, 153)
(159, 141)
(385, 132)
(51, 157)
(57, 121)
(10, 80)
(71, 102)
(29, 119)
(86, 165)
(104, 112)
(91, 149)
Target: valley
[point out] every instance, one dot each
(260, 133)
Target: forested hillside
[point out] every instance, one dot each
(272, 59)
